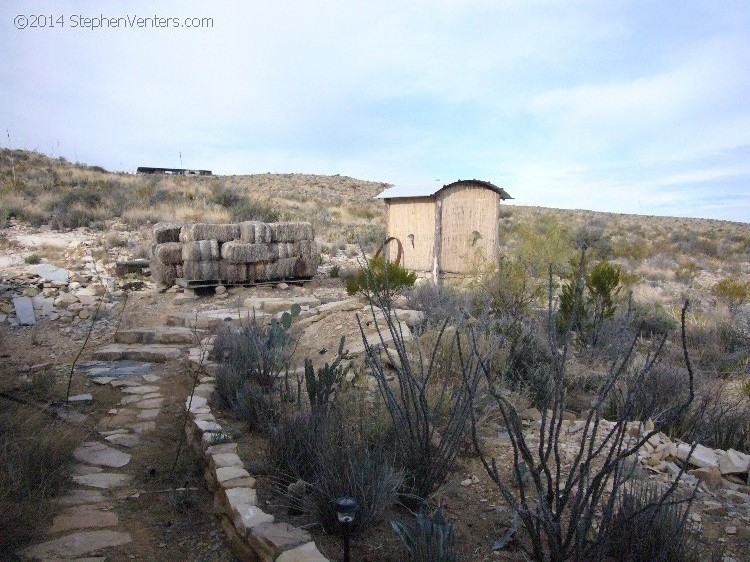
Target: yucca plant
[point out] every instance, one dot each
(432, 538)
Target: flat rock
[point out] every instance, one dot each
(143, 427)
(103, 480)
(144, 389)
(83, 519)
(76, 544)
(308, 552)
(271, 539)
(103, 380)
(148, 414)
(81, 398)
(80, 497)
(271, 305)
(50, 272)
(733, 462)
(24, 311)
(702, 457)
(124, 439)
(154, 353)
(162, 335)
(149, 404)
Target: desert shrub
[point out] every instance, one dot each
(587, 298)
(651, 320)
(686, 272)
(732, 292)
(432, 538)
(652, 397)
(333, 460)
(248, 210)
(32, 259)
(718, 419)
(252, 359)
(557, 509)
(511, 289)
(36, 461)
(335, 271)
(545, 243)
(643, 528)
(380, 276)
(370, 237)
(437, 303)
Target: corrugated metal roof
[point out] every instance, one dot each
(403, 192)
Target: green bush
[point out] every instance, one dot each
(732, 292)
(32, 259)
(380, 276)
(586, 303)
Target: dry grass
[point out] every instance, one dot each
(36, 458)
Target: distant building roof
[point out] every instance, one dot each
(404, 192)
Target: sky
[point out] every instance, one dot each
(621, 106)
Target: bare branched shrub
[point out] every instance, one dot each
(429, 410)
(568, 512)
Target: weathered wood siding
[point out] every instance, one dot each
(467, 209)
(412, 216)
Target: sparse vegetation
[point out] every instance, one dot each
(36, 462)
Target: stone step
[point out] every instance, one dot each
(212, 318)
(152, 353)
(171, 335)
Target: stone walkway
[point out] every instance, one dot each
(87, 523)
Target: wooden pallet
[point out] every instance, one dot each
(200, 284)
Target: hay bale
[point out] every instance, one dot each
(236, 273)
(290, 231)
(202, 270)
(167, 232)
(202, 250)
(163, 275)
(305, 267)
(291, 250)
(203, 231)
(304, 248)
(247, 231)
(262, 233)
(168, 253)
(239, 252)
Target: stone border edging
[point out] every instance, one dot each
(253, 535)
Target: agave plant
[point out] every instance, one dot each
(432, 538)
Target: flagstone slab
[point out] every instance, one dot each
(100, 454)
(152, 353)
(150, 404)
(83, 519)
(103, 480)
(80, 497)
(76, 544)
(145, 389)
(124, 440)
(143, 427)
(149, 414)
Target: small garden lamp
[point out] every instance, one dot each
(345, 512)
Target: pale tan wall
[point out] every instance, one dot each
(467, 209)
(417, 217)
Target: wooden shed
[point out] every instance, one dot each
(444, 230)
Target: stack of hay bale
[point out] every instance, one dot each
(233, 253)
